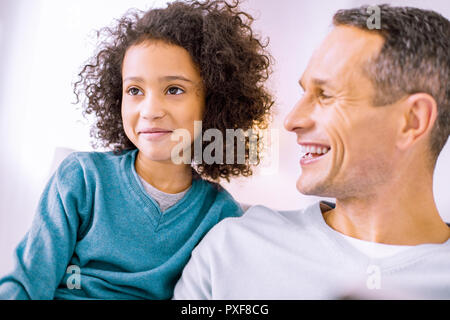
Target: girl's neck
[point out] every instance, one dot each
(164, 176)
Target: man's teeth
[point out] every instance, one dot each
(314, 149)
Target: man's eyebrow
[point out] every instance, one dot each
(161, 79)
(317, 82)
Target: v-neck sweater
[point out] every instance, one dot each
(163, 199)
(97, 233)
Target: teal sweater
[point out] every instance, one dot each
(97, 233)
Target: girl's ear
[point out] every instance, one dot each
(420, 113)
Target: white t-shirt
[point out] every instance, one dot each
(374, 249)
(267, 254)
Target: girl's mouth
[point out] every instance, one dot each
(152, 136)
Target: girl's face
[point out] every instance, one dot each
(162, 92)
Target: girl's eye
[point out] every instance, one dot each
(133, 91)
(174, 91)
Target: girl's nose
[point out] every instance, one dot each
(152, 107)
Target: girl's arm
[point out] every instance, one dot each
(42, 257)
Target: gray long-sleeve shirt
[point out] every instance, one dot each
(295, 255)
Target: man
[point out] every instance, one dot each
(373, 119)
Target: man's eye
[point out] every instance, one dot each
(133, 91)
(174, 91)
(324, 96)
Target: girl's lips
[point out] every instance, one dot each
(152, 136)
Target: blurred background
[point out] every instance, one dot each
(43, 44)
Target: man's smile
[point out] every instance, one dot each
(312, 152)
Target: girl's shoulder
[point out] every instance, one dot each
(221, 196)
(93, 163)
(104, 156)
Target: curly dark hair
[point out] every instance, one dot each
(233, 62)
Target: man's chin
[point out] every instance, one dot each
(304, 188)
(311, 188)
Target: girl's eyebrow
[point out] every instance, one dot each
(171, 78)
(161, 79)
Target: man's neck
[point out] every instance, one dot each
(400, 214)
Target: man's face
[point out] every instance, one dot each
(349, 143)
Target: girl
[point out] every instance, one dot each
(122, 224)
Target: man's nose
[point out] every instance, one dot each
(152, 107)
(300, 116)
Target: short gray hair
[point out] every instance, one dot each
(414, 58)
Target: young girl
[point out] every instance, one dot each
(122, 224)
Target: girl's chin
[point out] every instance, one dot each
(154, 156)
(163, 155)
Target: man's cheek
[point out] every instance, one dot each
(341, 117)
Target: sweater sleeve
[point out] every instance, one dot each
(41, 258)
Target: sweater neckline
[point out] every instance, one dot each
(149, 205)
(410, 255)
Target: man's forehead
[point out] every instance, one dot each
(344, 51)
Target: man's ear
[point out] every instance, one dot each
(419, 116)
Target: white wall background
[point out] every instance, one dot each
(43, 43)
